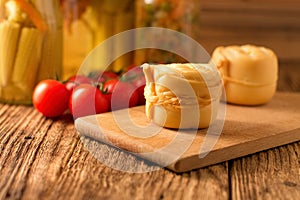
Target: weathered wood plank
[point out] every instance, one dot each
(151, 185)
(45, 159)
(273, 174)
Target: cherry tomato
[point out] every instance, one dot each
(109, 86)
(108, 98)
(140, 84)
(130, 67)
(50, 97)
(109, 75)
(70, 86)
(124, 95)
(76, 80)
(87, 100)
(136, 77)
(108, 90)
(103, 76)
(80, 79)
(132, 74)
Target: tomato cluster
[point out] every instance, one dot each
(96, 93)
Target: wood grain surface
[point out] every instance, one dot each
(45, 159)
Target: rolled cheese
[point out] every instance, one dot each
(182, 95)
(249, 73)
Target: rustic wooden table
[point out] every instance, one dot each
(42, 158)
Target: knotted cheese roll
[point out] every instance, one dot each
(182, 95)
(249, 73)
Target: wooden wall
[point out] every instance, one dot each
(271, 23)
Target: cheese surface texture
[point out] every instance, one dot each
(249, 73)
(182, 95)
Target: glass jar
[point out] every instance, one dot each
(88, 23)
(30, 47)
(178, 15)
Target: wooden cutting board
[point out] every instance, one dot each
(246, 130)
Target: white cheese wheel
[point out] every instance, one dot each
(182, 95)
(249, 73)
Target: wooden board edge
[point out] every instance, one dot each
(236, 151)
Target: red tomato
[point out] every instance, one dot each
(109, 86)
(135, 76)
(50, 97)
(132, 74)
(80, 79)
(108, 98)
(70, 86)
(104, 76)
(76, 80)
(140, 84)
(108, 89)
(130, 67)
(87, 100)
(109, 75)
(124, 95)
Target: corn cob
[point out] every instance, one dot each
(28, 58)
(22, 54)
(15, 13)
(33, 14)
(9, 36)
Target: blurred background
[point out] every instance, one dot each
(55, 37)
(271, 23)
